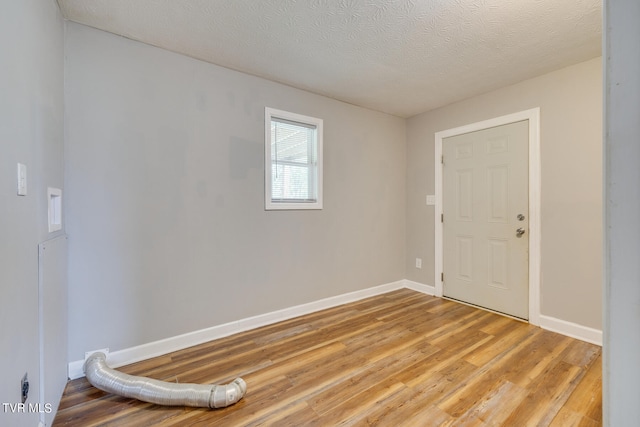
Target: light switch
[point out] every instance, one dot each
(22, 179)
(431, 200)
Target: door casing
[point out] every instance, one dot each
(533, 116)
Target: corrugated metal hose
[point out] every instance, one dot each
(150, 390)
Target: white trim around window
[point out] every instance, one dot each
(292, 160)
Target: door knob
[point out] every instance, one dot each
(519, 232)
(520, 217)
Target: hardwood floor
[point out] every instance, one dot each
(398, 359)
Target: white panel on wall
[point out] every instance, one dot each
(52, 299)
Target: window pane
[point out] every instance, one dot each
(292, 161)
(290, 182)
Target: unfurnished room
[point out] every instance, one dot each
(322, 212)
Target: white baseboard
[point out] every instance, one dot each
(168, 345)
(157, 348)
(419, 287)
(573, 330)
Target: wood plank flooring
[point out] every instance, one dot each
(398, 359)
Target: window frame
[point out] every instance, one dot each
(270, 204)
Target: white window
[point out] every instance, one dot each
(293, 161)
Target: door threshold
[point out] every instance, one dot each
(520, 319)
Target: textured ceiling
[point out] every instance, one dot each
(402, 57)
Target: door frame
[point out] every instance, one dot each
(533, 116)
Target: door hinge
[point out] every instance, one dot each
(441, 217)
(442, 159)
(442, 277)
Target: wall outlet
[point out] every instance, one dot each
(418, 262)
(22, 179)
(54, 204)
(24, 387)
(431, 199)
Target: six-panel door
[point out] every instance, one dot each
(485, 206)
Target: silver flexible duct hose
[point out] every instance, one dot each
(160, 392)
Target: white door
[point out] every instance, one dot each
(485, 218)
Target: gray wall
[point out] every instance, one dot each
(164, 177)
(31, 132)
(622, 194)
(570, 102)
(31, 108)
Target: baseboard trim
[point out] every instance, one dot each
(127, 356)
(168, 345)
(419, 287)
(570, 329)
